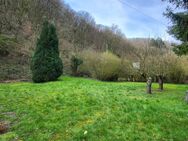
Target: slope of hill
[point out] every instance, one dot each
(76, 31)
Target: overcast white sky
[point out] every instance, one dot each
(134, 17)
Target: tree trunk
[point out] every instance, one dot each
(75, 71)
(161, 82)
(149, 84)
(156, 79)
(144, 76)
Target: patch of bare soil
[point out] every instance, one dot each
(4, 127)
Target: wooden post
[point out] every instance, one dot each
(149, 84)
(186, 97)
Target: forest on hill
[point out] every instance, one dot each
(86, 48)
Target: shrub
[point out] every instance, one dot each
(46, 63)
(75, 63)
(177, 74)
(176, 69)
(103, 66)
(127, 72)
(184, 63)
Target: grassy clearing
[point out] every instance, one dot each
(64, 110)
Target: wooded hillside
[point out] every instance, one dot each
(20, 25)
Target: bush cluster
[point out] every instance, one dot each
(103, 66)
(106, 66)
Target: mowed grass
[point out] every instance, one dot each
(78, 109)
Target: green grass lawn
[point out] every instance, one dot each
(64, 110)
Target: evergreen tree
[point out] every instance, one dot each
(46, 64)
(179, 29)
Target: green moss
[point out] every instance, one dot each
(64, 110)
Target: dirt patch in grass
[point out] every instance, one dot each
(4, 127)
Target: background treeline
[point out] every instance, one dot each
(86, 48)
